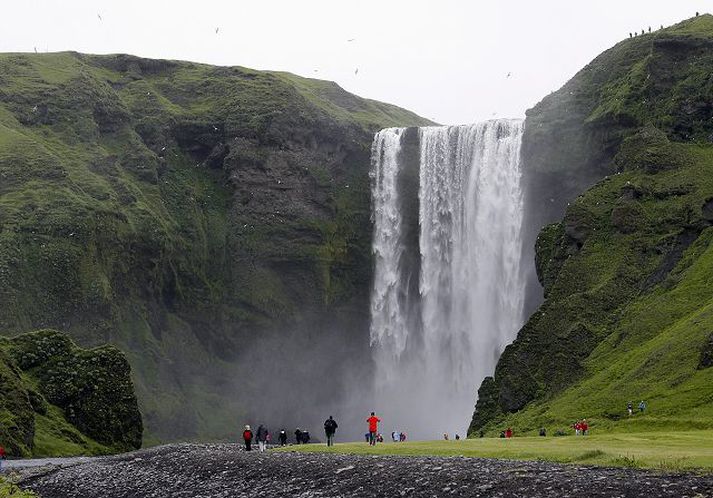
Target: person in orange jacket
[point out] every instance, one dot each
(373, 422)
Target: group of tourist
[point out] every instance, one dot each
(581, 427)
(263, 436)
(630, 407)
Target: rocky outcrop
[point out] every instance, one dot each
(58, 398)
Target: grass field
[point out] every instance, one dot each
(669, 451)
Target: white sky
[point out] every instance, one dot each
(444, 59)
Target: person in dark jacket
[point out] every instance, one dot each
(283, 437)
(262, 436)
(248, 438)
(330, 427)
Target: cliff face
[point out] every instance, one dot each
(623, 152)
(58, 399)
(207, 220)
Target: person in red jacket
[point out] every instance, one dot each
(508, 433)
(3, 456)
(585, 427)
(248, 438)
(373, 422)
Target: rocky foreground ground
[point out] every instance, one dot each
(223, 470)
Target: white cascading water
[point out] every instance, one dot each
(470, 288)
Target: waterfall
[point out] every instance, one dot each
(448, 291)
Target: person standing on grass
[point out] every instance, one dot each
(262, 436)
(330, 427)
(630, 408)
(248, 438)
(373, 422)
(585, 427)
(508, 433)
(642, 406)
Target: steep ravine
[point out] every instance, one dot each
(617, 168)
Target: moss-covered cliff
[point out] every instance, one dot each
(58, 399)
(198, 217)
(627, 272)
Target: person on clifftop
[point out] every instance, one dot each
(248, 438)
(298, 436)
(330, 427)
(373, 422)
(283, 437)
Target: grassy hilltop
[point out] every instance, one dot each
(184, 213)
(627, 272)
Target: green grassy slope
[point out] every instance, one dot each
(669, 451)
(627, 272)
(57, 399)
(182, 212)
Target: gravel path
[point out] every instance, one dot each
(222, 470)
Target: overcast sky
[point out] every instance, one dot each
(447, 60)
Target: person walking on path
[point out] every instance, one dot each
(262, 436)
(248, 438)
(630, 408)
(330, 427)
(373, 422)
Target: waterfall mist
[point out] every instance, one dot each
(448, 288)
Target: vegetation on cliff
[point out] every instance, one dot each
(58, 399)
(626, 274)
(189, 214)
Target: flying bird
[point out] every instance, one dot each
(351, 39)
(216, 30)
(100, 17)
(356, 71)
(509, 74)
